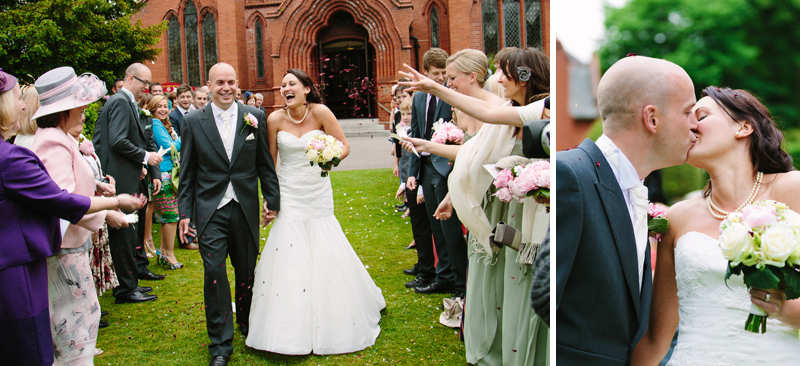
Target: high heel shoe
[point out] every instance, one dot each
(150, 248)
(164, 261)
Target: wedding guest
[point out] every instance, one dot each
(32, 203)
(492, 83)
(156, 89)
(165, 202)
(27, 125)
(185, 100)
(117, 85)
(251, 100)
(200, 97)
(260, 102)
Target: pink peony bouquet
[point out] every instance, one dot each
(447, 133)
(762, 243)
(325, 150)
(532, 180)
(657, 223)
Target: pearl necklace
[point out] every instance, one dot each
(721, 214)
(289, 113)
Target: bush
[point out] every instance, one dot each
(92, 112)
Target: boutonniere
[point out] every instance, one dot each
(249, 120)
(657, 223)
(145, 113)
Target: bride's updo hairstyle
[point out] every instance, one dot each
(314, 96)
(528, 65)
(468, 61)
(765, 141)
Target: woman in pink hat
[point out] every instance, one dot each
(74, 308)
(30, 205)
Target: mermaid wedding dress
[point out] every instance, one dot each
(311, 292)
(713, 313)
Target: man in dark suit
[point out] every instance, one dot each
(124, 143)
(184, 99)
(223, 159)
(603, 278)
(431, 172)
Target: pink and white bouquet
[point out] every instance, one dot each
(325, 150)
(531, 180)
(762, 243)
(657, 223)
(447, 133)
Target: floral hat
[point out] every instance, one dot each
(61, 90)
(7, 81)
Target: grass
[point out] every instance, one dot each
(172, 330)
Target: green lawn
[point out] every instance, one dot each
(172, 331)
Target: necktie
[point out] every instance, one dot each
(640, 204)
(429, 121)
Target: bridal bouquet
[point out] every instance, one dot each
(447, 133)
(762, 243)
(325, 150)
(531, 180)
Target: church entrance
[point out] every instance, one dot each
(347, 68)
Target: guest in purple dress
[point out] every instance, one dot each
(30, 206)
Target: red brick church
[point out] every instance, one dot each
(353, 48)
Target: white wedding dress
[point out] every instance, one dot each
(713, 313)
(311, 294)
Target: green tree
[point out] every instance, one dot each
(743, 44)
(89, 35)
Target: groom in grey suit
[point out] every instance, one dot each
(603, 277)
(223, 158)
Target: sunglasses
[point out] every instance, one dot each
(146, 83)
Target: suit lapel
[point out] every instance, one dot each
(239, 134)
(137, 117)
(619, 220)
(209, 126)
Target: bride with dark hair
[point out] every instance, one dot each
(312, 294)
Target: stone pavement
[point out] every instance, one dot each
(369, 145)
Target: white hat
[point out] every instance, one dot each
(60, 90)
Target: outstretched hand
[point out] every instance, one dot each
(418, 81)
(445, 209)
(131, 202)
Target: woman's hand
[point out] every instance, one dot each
(116, 219)
(771, 301)
(105, 189)
(411, 143)
(445, 209)
(418, 81)
(131, 203)
(400, 194)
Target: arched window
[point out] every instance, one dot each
(174, 50)
(533, 23)
(259, 50)
(434, 27)
(511, 23)
(192, 44)
(209, 42)
(491, 43)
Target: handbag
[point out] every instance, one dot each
(176, 167)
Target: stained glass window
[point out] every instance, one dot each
(511, 22)
(209, 42)
(174, 50)
(259, 50)
(190, 31)
(434, 27)
(491, 43)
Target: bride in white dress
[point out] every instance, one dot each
(736, 139)
(311, 292)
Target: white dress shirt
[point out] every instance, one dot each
(227, 142)
(627, 178)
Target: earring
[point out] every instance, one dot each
(737, 133)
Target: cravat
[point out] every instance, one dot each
(640, 204)
(429, 121)
(225, 125)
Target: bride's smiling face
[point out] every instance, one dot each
(716, 130)
(293, 91)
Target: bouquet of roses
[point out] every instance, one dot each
(762, 243)
(447, 133)
(325, 150)
(531, 180)
(657, 223)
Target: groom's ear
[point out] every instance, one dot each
(650, 118)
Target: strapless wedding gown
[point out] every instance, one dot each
(712, 314)
(311, 294)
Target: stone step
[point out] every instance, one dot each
(363, 127)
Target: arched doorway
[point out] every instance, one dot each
(347, 68)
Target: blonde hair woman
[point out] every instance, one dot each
(27, 125)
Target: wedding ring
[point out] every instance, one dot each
(766, 298)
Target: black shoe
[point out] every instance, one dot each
(413, 271)
(134, 298)
(244, 328)
(144, 289)
(103, 324)
(219, 361)
(400, 205)
(401, 209)
(150, 276)
(436, 288)
(103, 313)
(418, 282)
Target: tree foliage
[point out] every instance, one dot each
(743, 44)
(90, 35)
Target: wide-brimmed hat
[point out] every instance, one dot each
(7, 81)
(61, 90)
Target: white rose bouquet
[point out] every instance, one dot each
(762, 243)
(325, 150)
